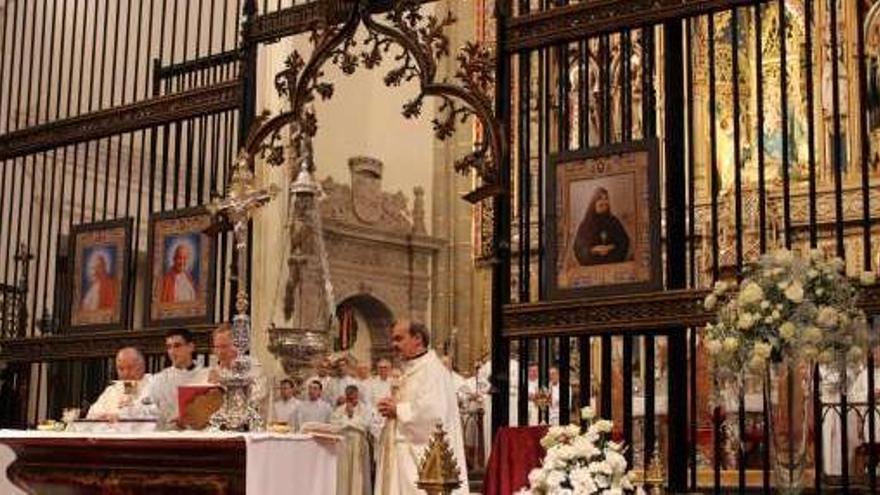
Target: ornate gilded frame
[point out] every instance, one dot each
(616, 167)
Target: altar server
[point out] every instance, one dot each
(183, 371)
(314, 409)
(426, 396)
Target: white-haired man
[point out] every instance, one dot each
(125, 397)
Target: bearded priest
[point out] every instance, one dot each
(425, 396)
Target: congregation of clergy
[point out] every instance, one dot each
(397, 408)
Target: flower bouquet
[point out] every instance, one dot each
(789, 312)
(581, 461)
(788, 307)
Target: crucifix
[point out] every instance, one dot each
(243, 198)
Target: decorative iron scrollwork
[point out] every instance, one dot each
(421, 42)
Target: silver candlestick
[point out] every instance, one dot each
(239, 412)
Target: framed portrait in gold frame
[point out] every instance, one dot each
(100, 255)
(602, 233)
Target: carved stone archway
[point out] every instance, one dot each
(377, 317)
(378, 248)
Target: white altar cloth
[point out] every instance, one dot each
(275, 462)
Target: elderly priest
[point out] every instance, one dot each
(127, 396)
(425, 397)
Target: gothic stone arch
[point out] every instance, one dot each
(377, 246)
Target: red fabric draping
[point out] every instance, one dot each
(515, 452)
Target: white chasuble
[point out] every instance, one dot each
(426, 396)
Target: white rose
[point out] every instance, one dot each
(713, 347)
(827, 317)
(746, 321)
(868, 278)
(812, 335)
(787, 331)
(820, 291)
(602, 426)
(588, 413)
(763, 350)
(809, 352)
(731, 344)
(784, 284)
(709, 302)
(776, 314)
(812, 273)
(795, 292)
(768, 320)
(782, 256)
(750, 294)
(765, 304)
(554, 480)
(757, 363)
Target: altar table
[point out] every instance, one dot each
(171, 462)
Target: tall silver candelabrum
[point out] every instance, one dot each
(239, 412)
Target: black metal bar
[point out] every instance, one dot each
(606, 78)
(627, 367)
(692, 260)
(607, 380)
(522, 384)
(12, 188)
(625, 86)
(43, 183)
(585, 372)
(783, 98)
(838, 210)
(817, 413)
(676, 239)
(582, 90)
(872, 423)
(5, 78)
(759, 92)
(811, 116)
(501, 228)
(564, 370)
(650, 402)
(713, 146)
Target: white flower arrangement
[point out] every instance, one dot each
(581, 462)
(788, 307)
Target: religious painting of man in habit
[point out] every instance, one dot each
(100, 254)
(180, 275)
(604, 226)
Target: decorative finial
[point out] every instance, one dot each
(438, 470)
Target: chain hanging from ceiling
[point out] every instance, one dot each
(416, 42)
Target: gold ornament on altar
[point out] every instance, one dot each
(438, 471)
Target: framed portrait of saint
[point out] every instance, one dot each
(180, 278)
(100, 255)
(602, 232)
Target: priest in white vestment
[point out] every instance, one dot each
(180, 347)
(354, 418)
(284, 408)
(425, 397)
(312, 410)
(125, 397)
(380, 385)
(226, 353)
